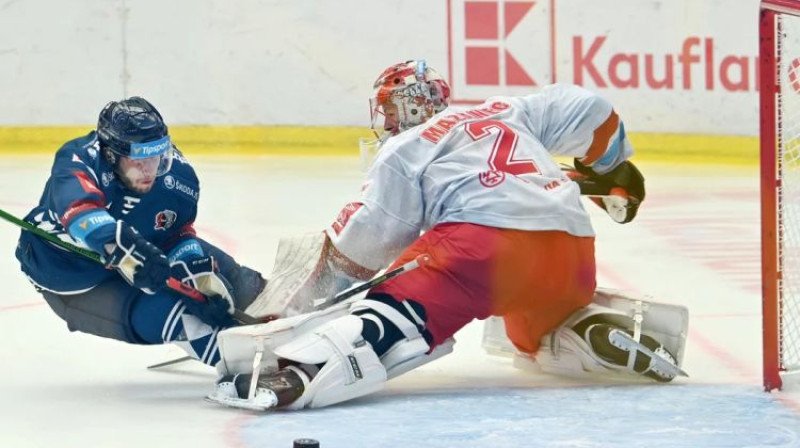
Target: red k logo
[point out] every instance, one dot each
(498, 47)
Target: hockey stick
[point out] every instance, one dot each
(589, 187)
(420, 260)
(172, 283)
(171, 362)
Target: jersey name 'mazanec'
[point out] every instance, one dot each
(437, 130)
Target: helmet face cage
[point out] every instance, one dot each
(409, 94)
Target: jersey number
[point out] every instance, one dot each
(502, 158)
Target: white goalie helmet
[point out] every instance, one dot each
(405, 95)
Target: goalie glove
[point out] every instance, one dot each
(137, 260)
(202, 274)
(619, 192)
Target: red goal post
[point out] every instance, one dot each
(779, 71)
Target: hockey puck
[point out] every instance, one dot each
(305, 443)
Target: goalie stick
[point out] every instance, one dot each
(172, 283)
(589, 187)
(420, 260)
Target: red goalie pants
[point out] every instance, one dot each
(534, 279)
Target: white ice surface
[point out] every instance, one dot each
(696, 242)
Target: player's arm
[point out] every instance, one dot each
(369, 234)
(572, 121)
(80, 204)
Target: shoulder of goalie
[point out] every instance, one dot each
(566, 352)
(330, 337)
(619, 191)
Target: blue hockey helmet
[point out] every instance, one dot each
(135, 134)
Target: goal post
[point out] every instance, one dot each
(779, 90)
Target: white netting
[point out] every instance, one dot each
(789, 193)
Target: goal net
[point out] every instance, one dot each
(779, 64)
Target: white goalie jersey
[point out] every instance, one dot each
(489, 164)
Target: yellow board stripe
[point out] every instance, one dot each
(343, 141)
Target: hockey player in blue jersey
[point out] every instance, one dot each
(126, 192)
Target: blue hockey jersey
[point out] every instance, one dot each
(83, 184)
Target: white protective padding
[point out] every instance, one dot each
(406, 355)
(351, 367)
(300, 275)
(410, 352)
(238, 346)
(326, 337)
(564, 352)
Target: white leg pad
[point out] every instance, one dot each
(238, 346)
(408, 355)
(351, 370)
(411, 352)
(564, 352)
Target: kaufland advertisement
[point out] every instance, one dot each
(675, 66)
(668, 66)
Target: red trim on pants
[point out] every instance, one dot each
(535, 279)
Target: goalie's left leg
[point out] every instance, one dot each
(347, 357)
(621, 335)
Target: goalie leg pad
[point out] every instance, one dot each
(396, 329)
(350, 369)
(239, 346)
(648, 325)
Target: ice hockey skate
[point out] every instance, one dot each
(273, 390)
(647, 357)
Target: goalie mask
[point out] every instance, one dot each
(406, 95)
(135, 141)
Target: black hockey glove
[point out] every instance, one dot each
(202, 274)
(137, 260)
(621, 189)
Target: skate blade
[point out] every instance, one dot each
(240, 403)
(628, 343)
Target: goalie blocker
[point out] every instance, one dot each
(619, 336)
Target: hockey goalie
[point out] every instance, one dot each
(475, 190)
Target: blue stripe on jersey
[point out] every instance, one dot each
(84, 226)
(185, 249)
(612, 153)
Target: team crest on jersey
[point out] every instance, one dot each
(492, 178)
(165, 219)
(106, 178)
